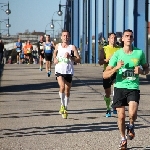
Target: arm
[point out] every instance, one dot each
(76, 57)
(143, 71)
(102, 59)
(146, 69)
(53, 44)
(109, 72)
(43, 48)
(55, 54)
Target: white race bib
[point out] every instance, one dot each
(18, 51)
(41, 47)
(47, 47)
(128, 74)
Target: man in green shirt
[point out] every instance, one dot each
(127, 63)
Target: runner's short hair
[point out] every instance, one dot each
(127, 30)
(65, 30)
(109, 34)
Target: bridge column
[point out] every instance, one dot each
(105, 18)
(90, 31)
(96, 32)
(140, 25)
(75, 23)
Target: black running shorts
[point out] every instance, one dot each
(41, 54)
(67, 77)
(48, 57)
(123, 96)
(108, 82)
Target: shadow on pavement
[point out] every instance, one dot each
(73, 128)
(48, 85)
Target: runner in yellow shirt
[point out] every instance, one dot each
(105, 55)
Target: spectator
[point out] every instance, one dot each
(1, 50)
(4, 56)
(103, 41)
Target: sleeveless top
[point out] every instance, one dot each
(48, 48)
(65, 65)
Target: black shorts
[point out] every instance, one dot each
(18, 53)
(48, 57)
(41, 54)
(29, 54)
(108, 82)
(67, 77)
(123, 96)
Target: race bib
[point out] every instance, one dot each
(41, 47)
(128, 74)
(18, 51)
(63, 60)
(47, 47)
(28, 50)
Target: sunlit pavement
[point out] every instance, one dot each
(29, 105)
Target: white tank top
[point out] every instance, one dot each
(64, 66)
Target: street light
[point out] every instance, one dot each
(7, 11)
(60, 11)
(52, 23)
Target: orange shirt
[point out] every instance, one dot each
(29, 48)
(25, 49)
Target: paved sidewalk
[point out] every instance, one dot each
(29, 118)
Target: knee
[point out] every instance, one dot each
(132, 115)
(62, 88)
(121, 116)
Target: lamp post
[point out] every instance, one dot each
(52, 25)
(7, 11)
(48, 30)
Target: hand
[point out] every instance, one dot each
(42, 52)
(138, 70)
(67, 55)
(119, 64)
(55, 61)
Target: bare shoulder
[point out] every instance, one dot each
(74, 48)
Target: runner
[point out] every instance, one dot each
(41, 51)
(48, 47)
(18, 47)
(106, 54)
(25, 52)
(64, 57)
(126, 62)
(29, 52)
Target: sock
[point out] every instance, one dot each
(66, 101)
(123, 138)
(107, 100)
(62, 96)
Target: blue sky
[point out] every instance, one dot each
(36, 15)
(31, 15)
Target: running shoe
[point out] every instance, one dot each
(123, 145)
(130, 132)
(40, 69)
(114, 111)
(62, 108)
(108, 113)
(49, 74)
(65, 114)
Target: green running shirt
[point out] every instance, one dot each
(125, 75)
